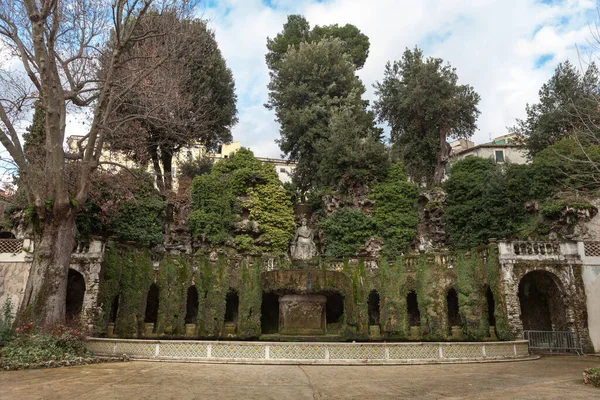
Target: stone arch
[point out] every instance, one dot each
(541, 300)
(232, 304)
(114, 309)
(191, 308)
(412, 309)
(334, 285)
(75, 294)
(269, 313)
(373, 307)
(452, 308)
(152, 303)
(490, 304)
(334, 307)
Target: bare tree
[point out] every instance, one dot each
(60, 46)
(188, 100)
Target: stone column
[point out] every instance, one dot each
(511, 295)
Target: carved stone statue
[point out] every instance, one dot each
(303, 247)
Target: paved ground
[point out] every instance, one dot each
(557, 377)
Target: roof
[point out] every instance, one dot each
(488, 146)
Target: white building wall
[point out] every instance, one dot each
(591, 281)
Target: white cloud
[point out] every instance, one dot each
(493, 44)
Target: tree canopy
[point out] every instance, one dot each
(424, 105)
(297, 30)
(60, 46)
(568, 105)
(478, 205)
(313, 83)
(198, 87)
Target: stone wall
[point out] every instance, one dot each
(86, 259)
(13, 278)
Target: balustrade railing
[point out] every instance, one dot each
(536, 248)
(11, 245)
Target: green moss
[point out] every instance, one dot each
(128, 273)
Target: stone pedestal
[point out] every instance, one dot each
(493, 333)
(457, 333)
(190, 330)
(110, 331)
(230, 329)
(415, 332)
(149, 329)
(374, 332)
(302, 314)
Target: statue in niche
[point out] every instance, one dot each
(303, 247)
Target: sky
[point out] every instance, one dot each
(505, 49)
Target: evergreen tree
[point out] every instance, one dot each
(297, 30)
(424, 105)
(311, 84)
(478, 204)
(568, 104)
(35, 136)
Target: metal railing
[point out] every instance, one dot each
(553, 341)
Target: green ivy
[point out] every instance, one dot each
(270, 206)
(346, 231)
(395, 211)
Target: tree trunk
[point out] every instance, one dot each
(44, 301)
(442, 156)
(167, 165)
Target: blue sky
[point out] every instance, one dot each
(506, 49)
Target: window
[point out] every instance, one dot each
(189, 155)
(499, 156)
(281, 169)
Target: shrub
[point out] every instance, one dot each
(44, 349)
(395, 211)
(6, 321)
(346, 231)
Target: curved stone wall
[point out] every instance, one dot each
(310, 353)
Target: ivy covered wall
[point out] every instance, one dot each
(129, 273)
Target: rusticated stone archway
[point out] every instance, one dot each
(551, 281)
(541, 301)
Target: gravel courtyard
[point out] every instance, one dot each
(557, 377)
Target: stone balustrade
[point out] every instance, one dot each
(310, 353)
(538, 251)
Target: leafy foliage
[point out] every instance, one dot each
(310, 85)
(423, 103)
(192, 168)
(271, 207)
(244, 172)
(31, 351)
(7, 318)
(238, 183)
(568, 104)
(571, 165)
(478, 205)
(123, 205)
(348, 157)
(297, 30)
(213, 204)
(395, 211)
(198, 86)
(346, 231)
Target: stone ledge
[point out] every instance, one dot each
(312, 353)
